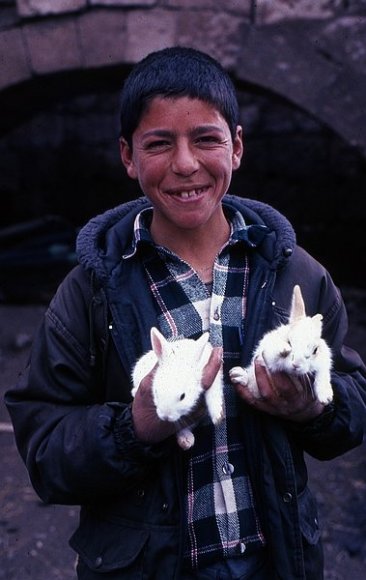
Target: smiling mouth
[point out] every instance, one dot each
(189, 193)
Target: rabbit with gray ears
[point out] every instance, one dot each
(177, 383)
(295, 348)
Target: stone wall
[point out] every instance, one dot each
(64, 160)
(312, 52)
(299, 67)
(261, 11)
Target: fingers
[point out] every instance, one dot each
(212, 368)
(149, 428)
(246, 394)
(265, 381)
(304, 385)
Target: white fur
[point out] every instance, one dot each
(295, 348)
(177, 385)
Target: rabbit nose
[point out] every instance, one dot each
(165, 415)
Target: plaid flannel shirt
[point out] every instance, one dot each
(221, 518)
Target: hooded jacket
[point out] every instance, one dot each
(72, 406)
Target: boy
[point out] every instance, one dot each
(186, 258)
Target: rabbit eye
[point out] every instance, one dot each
(182, 396)
(315, 350)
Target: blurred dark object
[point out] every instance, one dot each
(34, 257)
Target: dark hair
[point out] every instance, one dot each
(177, 72)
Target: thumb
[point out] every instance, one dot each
(212, 367)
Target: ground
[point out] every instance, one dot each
(34, 536)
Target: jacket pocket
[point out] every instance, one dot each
(309, 522)
(105, 546)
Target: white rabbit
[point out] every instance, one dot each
(295, 348)
(177, 384)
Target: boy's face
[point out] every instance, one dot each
(183, 156)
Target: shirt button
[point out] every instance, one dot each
(287, 252)
(287, 497)
(164, 507)
(228, 468)
(98, 562)
(216, 314)
(241, 547)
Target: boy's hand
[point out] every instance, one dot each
(282, 395)
(148, 427)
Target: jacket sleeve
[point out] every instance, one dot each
(76, 449)
(342, 426)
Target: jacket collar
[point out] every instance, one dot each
(103, 241)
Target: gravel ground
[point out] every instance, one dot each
(34, 536)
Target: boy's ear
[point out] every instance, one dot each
(238, 148)
(127, 158)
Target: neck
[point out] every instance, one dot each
(195, 241)
(198, 247)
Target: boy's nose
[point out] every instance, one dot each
(184, 161)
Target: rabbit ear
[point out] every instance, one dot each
(317, 322)
(158, 341)
(297, 305)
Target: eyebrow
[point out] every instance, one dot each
(207, 129)
(199, 130)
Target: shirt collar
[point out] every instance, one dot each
(251, 235)
(141, 232)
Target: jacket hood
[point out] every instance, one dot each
(104, 239)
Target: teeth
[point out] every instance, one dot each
(192, 193)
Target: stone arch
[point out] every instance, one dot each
(300, 63)
(316, 64)
(310, 64)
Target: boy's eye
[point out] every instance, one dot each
(208, 139)
(157, 144)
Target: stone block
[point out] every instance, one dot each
(8, 16)
(188, 4)
(217, 33)
(270, 11)
(127, 3)
(239, 6)
(343, 41)
(13, 59)
(148, 31)
(52, 45)
(354, 6)
(47, 7)
(102, 37)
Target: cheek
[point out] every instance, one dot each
(221, 166)
(151, 174)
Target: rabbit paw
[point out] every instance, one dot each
(217, 414)
(185, 439)
(246, 378)
(215, 406)
(238, 375)
(324, 393)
